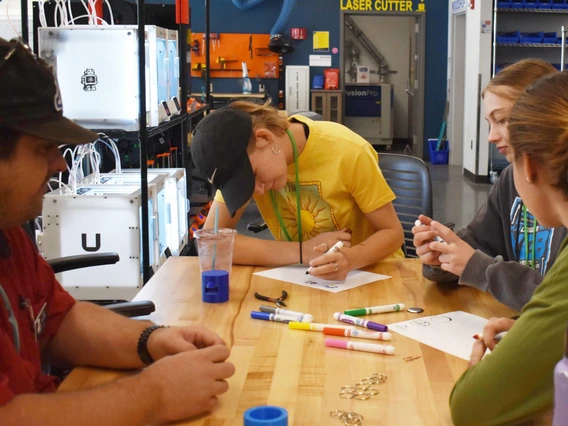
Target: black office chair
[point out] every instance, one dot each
(259, 224)
(409, 179)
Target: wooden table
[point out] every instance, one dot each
(293, 369)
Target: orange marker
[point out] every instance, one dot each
(353, 332)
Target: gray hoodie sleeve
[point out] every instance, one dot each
(493, 267)
(509, 282)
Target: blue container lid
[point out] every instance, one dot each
(215, 286)
(266, 415)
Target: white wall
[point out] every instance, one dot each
(11, 8)
(478, 62)
(456, 85)
(391, 35)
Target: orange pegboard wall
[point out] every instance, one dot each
(229, 50)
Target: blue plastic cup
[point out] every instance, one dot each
(266, 415)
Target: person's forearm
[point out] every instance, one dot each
(509, 282)
(378, 246)
(92, 335)
(254, 251)
(127, 402)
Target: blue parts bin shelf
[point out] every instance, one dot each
(508, 37)
(528, 38)
(551, 37)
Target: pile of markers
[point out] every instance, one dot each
(380, 331)
(302, 321)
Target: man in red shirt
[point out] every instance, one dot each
(42, 324)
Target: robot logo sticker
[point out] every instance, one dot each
(89, 80)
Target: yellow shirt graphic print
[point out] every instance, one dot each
(316, 214)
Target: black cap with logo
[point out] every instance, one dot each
(219, 151)
(30, 101)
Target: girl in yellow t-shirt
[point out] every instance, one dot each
(315, 183)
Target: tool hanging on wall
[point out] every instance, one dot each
(250, 46)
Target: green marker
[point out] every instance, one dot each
(375, 310)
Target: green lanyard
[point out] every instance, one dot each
(273, 197)
(531, 262)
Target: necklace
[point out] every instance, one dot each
(530, 261)
(298, 207)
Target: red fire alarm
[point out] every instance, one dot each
(472, 4)
(298, 33)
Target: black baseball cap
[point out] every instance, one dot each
(30, 101)
(219, 151)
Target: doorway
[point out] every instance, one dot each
(382, 71)
(457, 89)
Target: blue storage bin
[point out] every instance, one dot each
(517, 4)
(438, 156)
(558, 4)
(318, 82)
(528, 38)
(511, 37)
(504, 4)
(531, 4)
(550, 37)
(545, 4)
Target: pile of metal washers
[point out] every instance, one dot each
(348, 419)
(363, 390)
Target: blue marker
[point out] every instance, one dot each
(271, 317)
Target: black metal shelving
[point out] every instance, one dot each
(556, 11)
(145, 133)
(530, 45)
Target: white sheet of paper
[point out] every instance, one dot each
(451, 332)
(296, 274)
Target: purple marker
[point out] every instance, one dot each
(348, 319)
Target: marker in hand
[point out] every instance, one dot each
(336, 247)
(418, 223)
(497, 338)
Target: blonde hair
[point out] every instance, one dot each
(263, 116)
(539, 127)
(510, 82)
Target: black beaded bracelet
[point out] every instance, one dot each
(143, 353)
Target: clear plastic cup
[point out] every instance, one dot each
(216, 260)
(215, 249)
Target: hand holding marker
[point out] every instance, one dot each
(497, 338)
(418, 223)
(336, 247)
